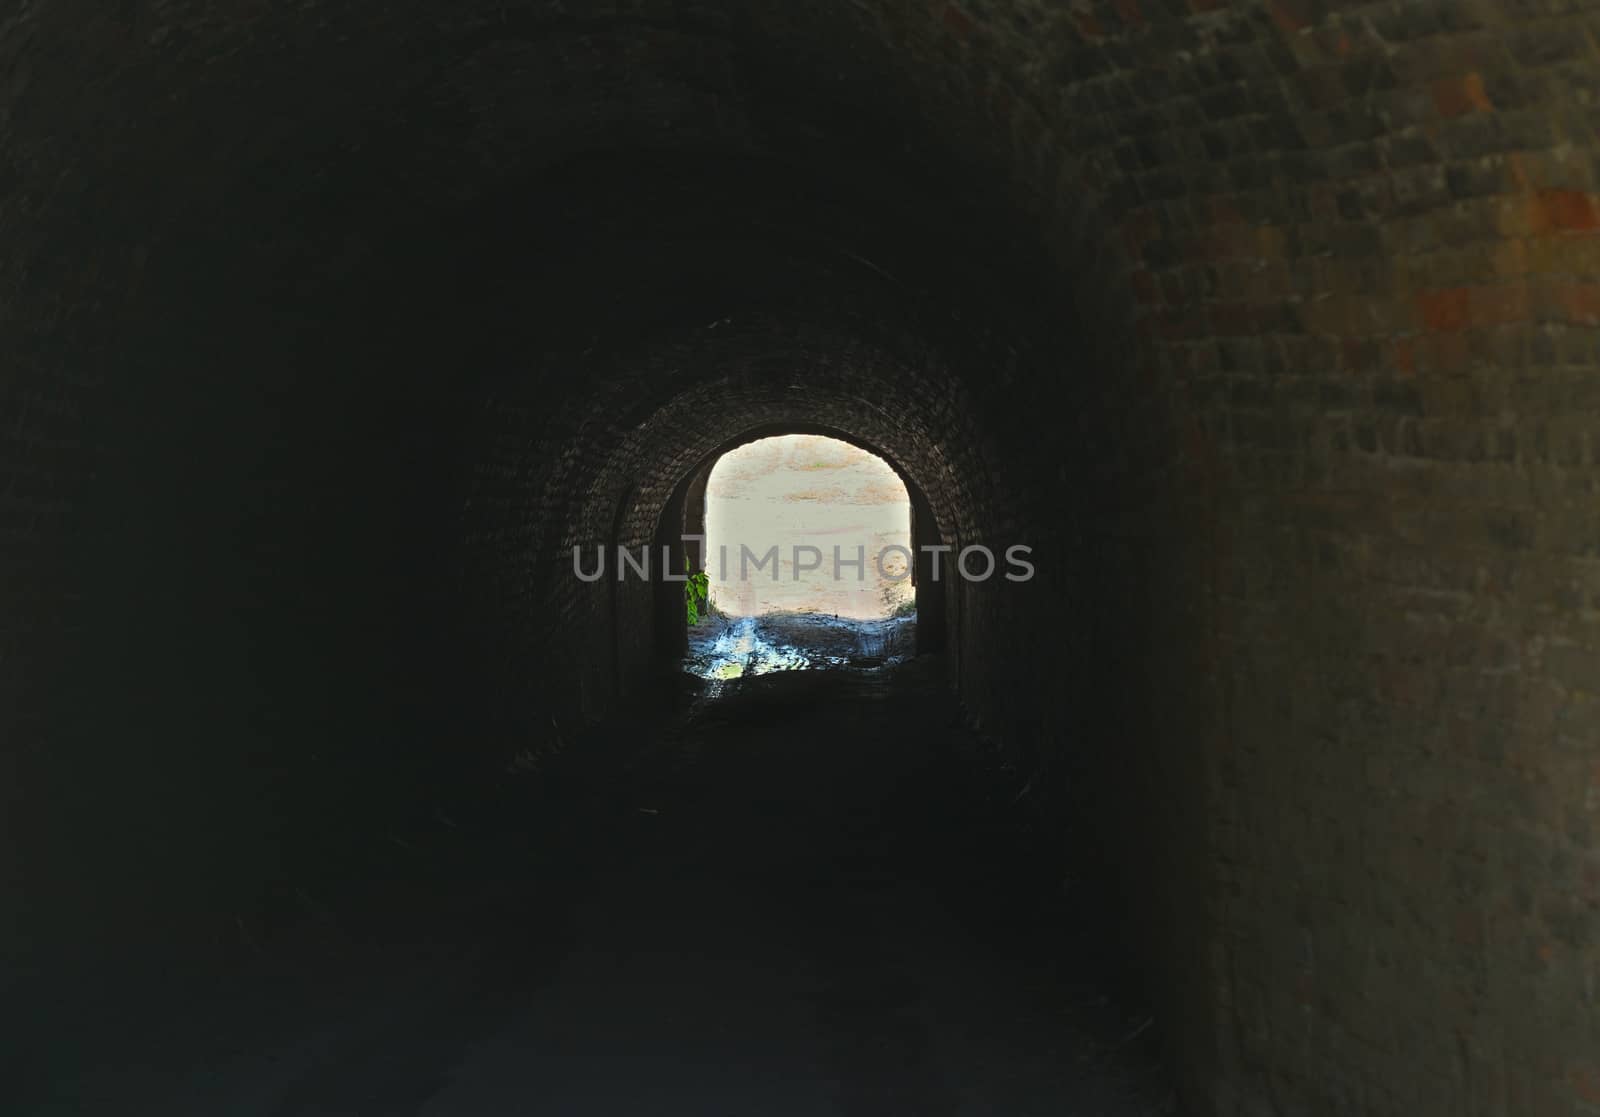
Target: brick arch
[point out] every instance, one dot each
(904, 405)
(1276, 319)
(779, 429)
(684, 514)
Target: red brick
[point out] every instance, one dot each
(1232, 319)
(1497, 306)
(1403, 357)
(1585, 1081)
(1577, 302)
(1568, 211)
(1225, 212)
(1290, 15)
(958, 22)
(1450, 352)
(1357, 354)
(1459, 96)
(1145, 288)
(1179, 325)
(1448, 310)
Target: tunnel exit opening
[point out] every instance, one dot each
(807, 544)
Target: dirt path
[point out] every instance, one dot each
(793, 899)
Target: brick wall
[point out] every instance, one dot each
(329, 332)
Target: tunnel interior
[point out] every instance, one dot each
(805, 548)
(1270, 326)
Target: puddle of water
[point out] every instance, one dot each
(742, 650)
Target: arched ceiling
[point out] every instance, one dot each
(295, 146)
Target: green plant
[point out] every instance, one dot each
(696, 596)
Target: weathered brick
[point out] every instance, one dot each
(1461, 95)
(1315, 498)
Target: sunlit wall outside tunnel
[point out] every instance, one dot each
(838, 516)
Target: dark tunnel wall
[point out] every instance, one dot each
(1271, 324)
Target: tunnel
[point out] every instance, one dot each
(331, 331)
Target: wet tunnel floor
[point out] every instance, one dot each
(796, 898)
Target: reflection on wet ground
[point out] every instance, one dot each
(723, 648)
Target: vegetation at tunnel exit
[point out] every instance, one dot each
(695, 593)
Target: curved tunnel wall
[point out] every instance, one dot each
(330, 331)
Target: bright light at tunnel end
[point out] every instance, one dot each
(975, 563)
